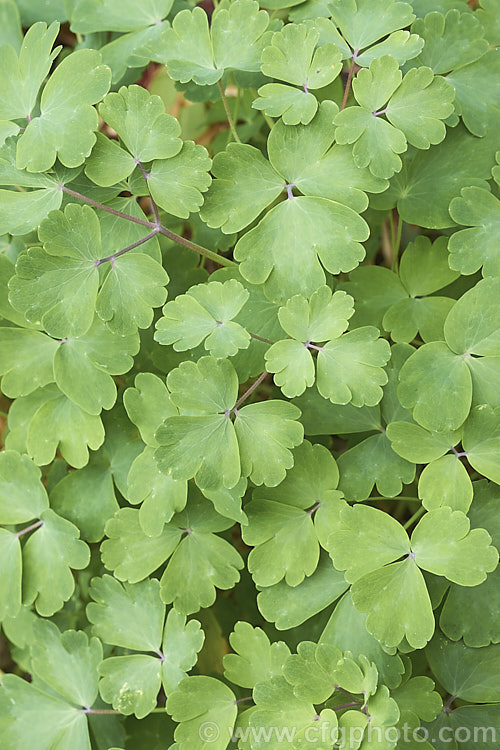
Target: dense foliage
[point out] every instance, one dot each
(250, 362)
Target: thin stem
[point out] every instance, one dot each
(243, 700)
(259, 338)
(396, 244)
(313, 510)
(152, 225)
(349, 80)
(112, 712)
(415, 517)
(446, 707)
(347, 705)
(268, 119)
(108, 209)
(228, 113)
(197, 248)
(29, 528)
(111, 258)
(252, 388)
(146, 176)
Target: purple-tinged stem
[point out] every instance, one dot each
(380, 112)
(126, 249)
(349, 79)
(219, 259)
(308, 345)
(242, 700)
(146, 176)
(252, 388)
(347, 705)
(29, 528)
(314, 509)
(289, 191)
(259, 338)
(446, 707)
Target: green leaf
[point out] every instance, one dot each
(67, 662)
(443, 544)
(177, 183)
(193, 52)
(255, 659)
(323, 317)
(245, 184)
(418, 695)
(436, 384)
(48, 421)
(278, 707)
(57, 287)
(108, 163)
(470, 329)
(459, 614)
(48, 557)
(22, 494)
(350, 367)
(265, 433)
(478, 113)
(469, 673)
(437, 172)
(135, 284)
(419, 445)
(415, 106)
(86, 497)
(181, 643)
(201, 562)
(129, 552)
(127, 615)
(487, 14)
(382, 466)
(206, 314)
(142, 124)
(159, 494)
(451, 41)
(22, 212)
(40, 718)
(471, 249)
(65, 127)
(419, 106)
(397, 603)
(481, 441)
(294, 57)
(424, 267)
(131, 683)
(202, 444)
(200, 702)
(363, 22)
(293, 105)
(26, 361)
(284, 541)
(290, 606)
(445, 482)
(346, 629)
(383, 540)
(103, 15)
(374, 289)
(308, 158)
(92, 359)
(12, 565)
(148, 403)
(25, 73)
(307, 230)
(311, 669)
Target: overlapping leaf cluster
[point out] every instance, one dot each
(250, 373)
